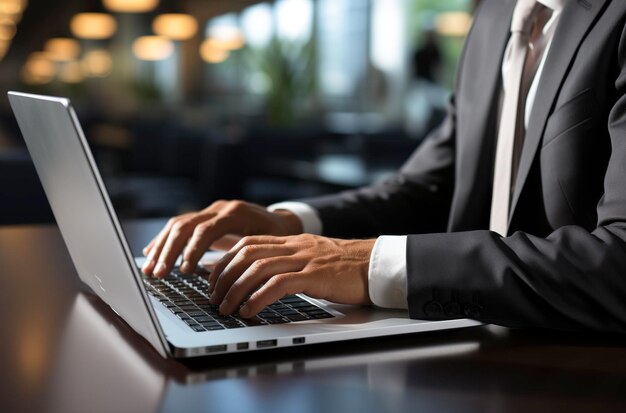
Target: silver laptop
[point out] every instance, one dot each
(174, 315)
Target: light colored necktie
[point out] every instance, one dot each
(512, 114)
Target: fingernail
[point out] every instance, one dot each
(244, 311)
(186, 267)
(146, 265)
(223, 306)
(160, 269)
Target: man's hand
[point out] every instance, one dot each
(194, 233)
(267, 268)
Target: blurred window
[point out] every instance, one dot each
(343, 33)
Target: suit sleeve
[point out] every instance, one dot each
(415, 200)
(573, 279)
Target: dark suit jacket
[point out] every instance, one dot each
(563, 264)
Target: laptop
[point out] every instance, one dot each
(173, 315)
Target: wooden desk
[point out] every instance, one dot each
(62, 350)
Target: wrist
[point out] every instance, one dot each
(289, 222)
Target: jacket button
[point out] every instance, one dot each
(472, 310)
(433, 309)
(452, 309)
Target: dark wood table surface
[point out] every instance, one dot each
(62, 350)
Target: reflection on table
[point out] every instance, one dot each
(64, 350)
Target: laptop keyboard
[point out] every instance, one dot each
(185, 295)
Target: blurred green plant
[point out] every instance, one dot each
(290, 69)
(146, 90)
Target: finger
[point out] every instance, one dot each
(156, 245)
(228, 257)
(204, 235)
(242, 261)
(273, 290)
(226, 243)
(260, 272)
(175, 243)
(148, 247)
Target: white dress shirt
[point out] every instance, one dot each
(388, 269)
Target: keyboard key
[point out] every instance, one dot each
(188, 307)
(297, 317)
(214, 328)
(194, 314)
(209, 323)
(276, 320)
(291, 299)
(278, 307)
(321, 316)
(288, 312)
(303, 304)
(270, 316)
(251, 322)
(198, 328)
(231, 324)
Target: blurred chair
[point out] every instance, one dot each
(22, 199)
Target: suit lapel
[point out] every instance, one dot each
(575, 21)
(480, 89)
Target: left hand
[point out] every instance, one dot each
(320, 267)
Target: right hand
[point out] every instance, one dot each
(194, 233)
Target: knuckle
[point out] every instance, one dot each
(179, 226)
(247, 251)
(247, 241)
(202, 230)
(219, 202)
(259, 265)
(278, 282)
(237, 203)
(235, 206)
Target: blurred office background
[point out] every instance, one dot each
(186, 102)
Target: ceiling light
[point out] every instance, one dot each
(94, 26)
(97, 63)
(153, 48)
(12, 7)
(39, 69)
(229, 38)
(176, 26)
(211, 51)
(62, 49)
(130, 6)
(71, 72)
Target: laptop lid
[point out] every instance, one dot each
(83, 210)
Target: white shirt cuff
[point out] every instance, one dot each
(311, 222)
(387, 273)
